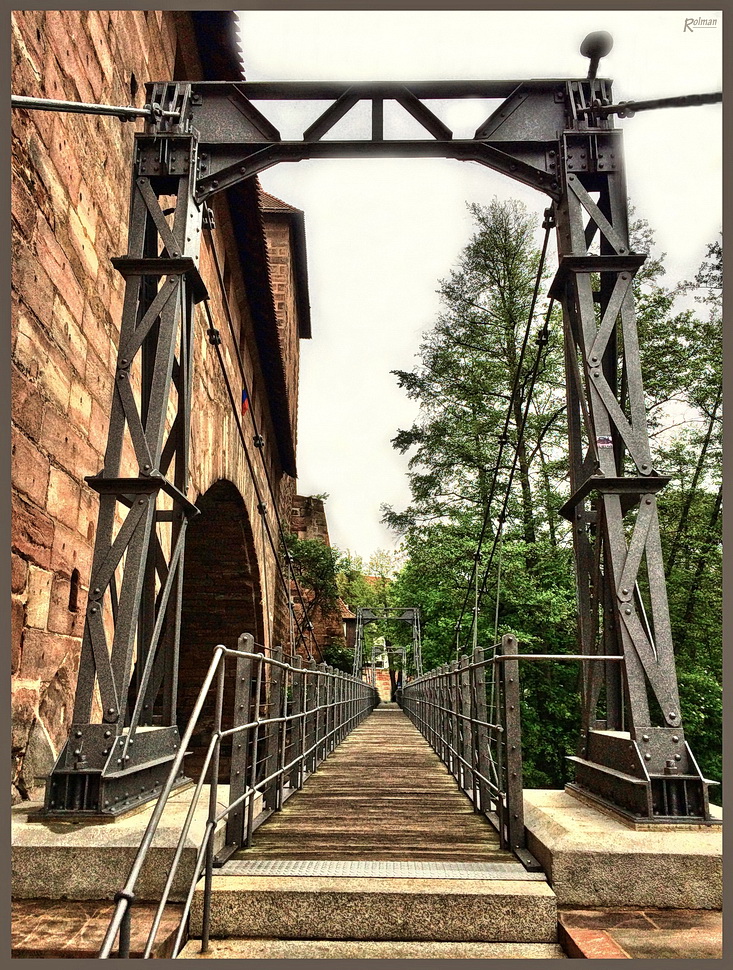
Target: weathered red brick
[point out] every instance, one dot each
(58, 267)
(99, 38)
(43, 654)
(26, 403)
(86, 53)
(29, 467)
(98, 426)
(98, 379)
(30, 25)
(39, 597)
(32, 282)
(80, 406)
(95, 330)
(17, 622)
(83, 245)
(70, 551)
(64, 157)
(63, 497)
(22, 204)
(88, 511)
(57, 702)
(61, 31)
(18, 573)
(25, 704)
(56, 84)
(69, 335)
(31, 531)
(68, 448)
(86, 210)
(44, 361)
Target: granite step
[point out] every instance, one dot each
(244, 949)
(312, 907)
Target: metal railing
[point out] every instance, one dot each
(468, 711)
(284, 720)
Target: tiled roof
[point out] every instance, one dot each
(272, 204)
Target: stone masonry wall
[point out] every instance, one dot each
(70, 199)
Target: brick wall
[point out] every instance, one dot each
(280, 253)
(70, 198)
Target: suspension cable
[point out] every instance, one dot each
(542, 338)
(504, 437)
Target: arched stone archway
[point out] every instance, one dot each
(221, 600)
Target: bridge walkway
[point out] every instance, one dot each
(378, 855)
(382, 795)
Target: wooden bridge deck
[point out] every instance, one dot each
(382, 795)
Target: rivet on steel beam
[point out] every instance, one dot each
(645, 737)
(675, 738)
(647, 756)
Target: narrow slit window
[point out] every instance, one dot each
(74, 592)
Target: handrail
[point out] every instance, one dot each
(319, 705)
(468, 711)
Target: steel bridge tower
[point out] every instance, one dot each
(556, 135)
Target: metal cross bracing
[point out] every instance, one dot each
(410, 615)
(556, 135)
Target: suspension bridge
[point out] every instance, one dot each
(321, 821)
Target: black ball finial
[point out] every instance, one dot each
(595, 46)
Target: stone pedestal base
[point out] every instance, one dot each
(90, 860)
(593, 860)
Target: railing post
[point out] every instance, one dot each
(211, 823)
(453, 707)
(254, 746)
(481, 736)
(283, 736)
(310, 718)
(238, 769)
(442, 713)
(297, 731)
(509, 675)
(464, 722)
(321, 715)
(274, 694)
(330, 713)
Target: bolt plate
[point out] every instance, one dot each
(378, 870)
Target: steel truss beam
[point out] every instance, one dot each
(207, 137)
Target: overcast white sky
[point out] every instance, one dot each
(381, 233)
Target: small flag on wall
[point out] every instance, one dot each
(245, 401)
